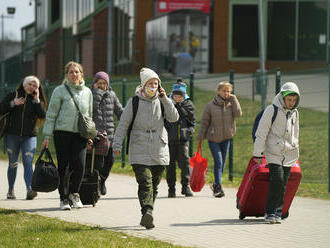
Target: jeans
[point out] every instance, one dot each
(71, 158)
(148, 178)
(14, 145)
(278, 178)
(219, 153)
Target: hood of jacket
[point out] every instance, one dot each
(219, 101)
(278, 99)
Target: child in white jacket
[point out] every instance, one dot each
(278, 141)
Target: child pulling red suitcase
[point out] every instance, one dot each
(252, 193)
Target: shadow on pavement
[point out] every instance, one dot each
(126, 228)
(117, 198)
(33, 210)
(224, 222)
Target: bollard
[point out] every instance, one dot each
(231, 146)
(123, 150)
(191, 92)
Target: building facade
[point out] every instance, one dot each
(296, 35)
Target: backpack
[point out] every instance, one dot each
(257, 120)
(135, 103)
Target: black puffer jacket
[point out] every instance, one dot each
(105, 105)
(22, 118)
(184, 127)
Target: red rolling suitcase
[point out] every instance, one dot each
(252, 193)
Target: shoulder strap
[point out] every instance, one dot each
(162, 108)
(135, 103)
(74, 100)
(275, 113)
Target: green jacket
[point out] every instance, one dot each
(62, 113)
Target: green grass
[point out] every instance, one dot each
(22, 230)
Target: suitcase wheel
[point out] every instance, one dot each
(284, 216)
(241, 216)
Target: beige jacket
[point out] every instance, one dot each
(218, 121)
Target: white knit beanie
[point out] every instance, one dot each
(147, 74)
(29, 79)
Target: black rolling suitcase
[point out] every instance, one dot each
(90, 186)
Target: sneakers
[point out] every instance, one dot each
(103, 189)
(30, 195)
(75, 200)
(11, 195)
(147, 221)
(270, 218)
(186, 191)
(171, 192)
(65, 205)
(217, 190)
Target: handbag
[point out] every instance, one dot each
(4, 120)
(86, 125)
(199, 170)
(101, 145)
(45, 176)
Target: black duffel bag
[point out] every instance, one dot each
(45, 176)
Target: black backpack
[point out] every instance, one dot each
(257, 120)
(135, 103)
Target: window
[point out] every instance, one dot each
(281, 31)
(312, 30)
(244, 30)
(41, 16)
(55, 12)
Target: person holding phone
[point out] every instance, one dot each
(148, 146)
(27, 109)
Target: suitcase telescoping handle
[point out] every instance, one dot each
(93, 159)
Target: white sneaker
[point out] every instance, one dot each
(64, 205)
(75, 199)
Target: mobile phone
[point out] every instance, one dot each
(160, 94)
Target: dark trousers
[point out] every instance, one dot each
(101, 163)
(278, 178)
(178, 153)
(107, 165)
(71, 155)
(148, 179)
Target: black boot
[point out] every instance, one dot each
(171, 192)
(103, 189)
(147, 220)
(186, 191)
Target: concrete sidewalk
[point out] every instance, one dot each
(200, 221)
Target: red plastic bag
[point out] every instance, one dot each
(199, 170)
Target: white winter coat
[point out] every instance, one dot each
(279, 141)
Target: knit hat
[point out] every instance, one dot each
(101, 75)
(146, 74)
(180, 88)
(29, 79)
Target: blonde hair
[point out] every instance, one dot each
(67, 68)
(224, 84)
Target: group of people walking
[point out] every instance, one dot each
(158, 125)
